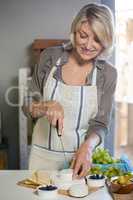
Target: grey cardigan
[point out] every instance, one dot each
(106, 83)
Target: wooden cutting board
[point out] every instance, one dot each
(30, 184)
(123, 196)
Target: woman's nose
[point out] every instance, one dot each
(89, 43)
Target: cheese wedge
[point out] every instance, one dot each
(41, 177)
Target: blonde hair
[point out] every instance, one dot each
(100, 18)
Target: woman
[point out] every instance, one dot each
(76, 86)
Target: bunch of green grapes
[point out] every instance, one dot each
(102, 156)
(96, 170)
(113, 171)
(109, 172)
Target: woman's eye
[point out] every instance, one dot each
(83, 36)
(97, 39)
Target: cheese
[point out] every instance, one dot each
(41, 177)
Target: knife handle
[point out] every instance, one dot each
(57, 129)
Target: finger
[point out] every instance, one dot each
(35, 112)
(54, 121)
(49, 114)
(43, 107)
(38, 112)
(83, 171)
(36, 105)
(77, 168)
(60, 122)
(33, 107)
(72, 164)
(87, 172)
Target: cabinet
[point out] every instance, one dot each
(3, 155)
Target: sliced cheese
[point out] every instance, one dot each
(41, 177)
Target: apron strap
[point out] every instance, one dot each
(54, 68)
(94, 76)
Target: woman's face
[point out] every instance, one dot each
(87, 45)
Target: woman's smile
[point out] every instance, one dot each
(87, 51)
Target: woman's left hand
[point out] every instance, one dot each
(82, 161)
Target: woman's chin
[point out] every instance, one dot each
(85, 58)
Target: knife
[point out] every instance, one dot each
(62, 145)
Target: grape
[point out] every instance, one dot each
(102, 156)
(109, 172)
(95, 170)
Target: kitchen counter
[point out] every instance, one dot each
(9, 190)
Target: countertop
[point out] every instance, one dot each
(9, 190)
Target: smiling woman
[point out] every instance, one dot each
(76, 89)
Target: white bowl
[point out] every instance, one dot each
(47, 194)
(63, 180)
(95, 182)
(78, 190)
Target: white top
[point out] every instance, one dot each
(9, 190)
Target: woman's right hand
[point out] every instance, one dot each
(51, 109)
(54, 114)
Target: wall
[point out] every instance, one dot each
(20, 23)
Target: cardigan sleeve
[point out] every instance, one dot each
(100, 123)
(35, 88)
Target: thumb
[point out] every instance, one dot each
(72, 163)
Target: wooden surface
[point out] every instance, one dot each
(40, 44)
(123, 196)
(4, 154)
(3, 159)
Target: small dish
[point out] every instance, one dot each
(63, 180)
(120, 188)
(47, 192)
(78, 190)
(95, 180)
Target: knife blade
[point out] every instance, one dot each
(62, 145)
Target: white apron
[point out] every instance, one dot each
(80, 105)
